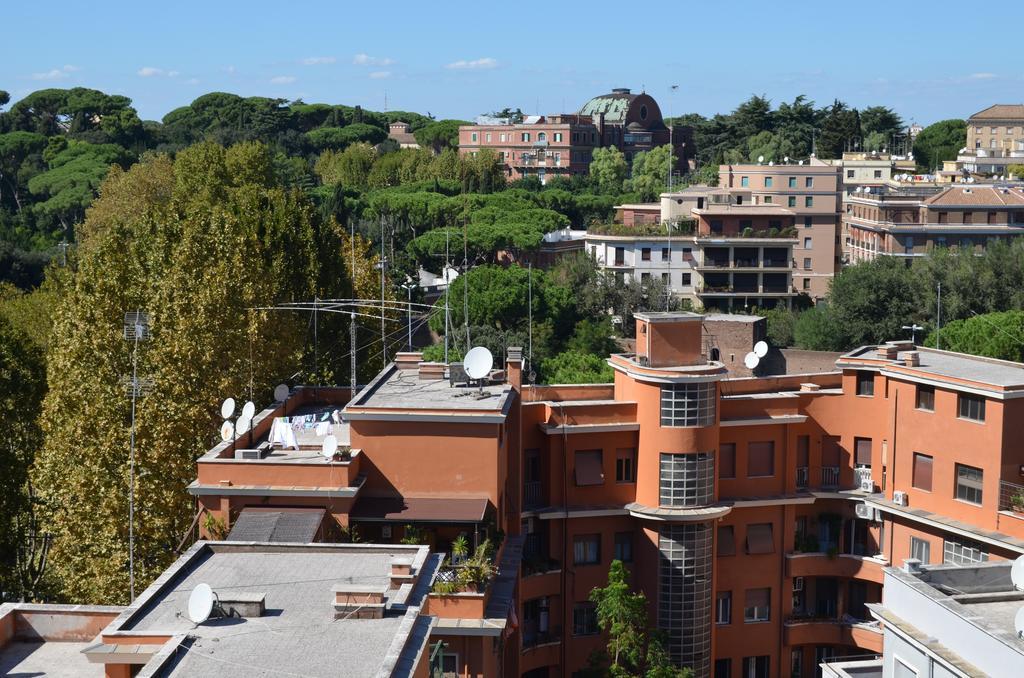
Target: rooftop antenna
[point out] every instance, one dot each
(136, 329)
(938, 320)
(478, 363)
(352, 316)
(200, 603)
(914, 329)
(447, 287)
(761, 349)
(529, 349)
(383, 265)
(751, 361)
(465, 270)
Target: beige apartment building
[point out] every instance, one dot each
(812, 192)
(995, 140)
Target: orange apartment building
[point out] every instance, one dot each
(755, 513)
(908, 223)
(813, 192)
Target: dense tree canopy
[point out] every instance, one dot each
(939, 141)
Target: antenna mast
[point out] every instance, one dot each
(938, 321)
(383, 264)
(465, 271)
(529, 280)
(447, 276)
(352, 316)
(136, 329)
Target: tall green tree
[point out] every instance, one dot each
(995, 335)
(650, 172)
(608, 169)
(840, 130)
(938, 142)
(440, 135)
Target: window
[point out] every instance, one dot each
(716, 225)
(865, 383)
(688, 404)
(808, 182)
(761, 459)
(726, 540)
(792, 182)
(584, 619)
(687, 479)
(586, 549)
(808, 221)
(849, 174)
(502, 137)
(666, 254)
(792, 201)
(807, 243)
(922, 473)
(757, 606)
(645, 278)
(542, 136)
(449, 665)
(723, 668)
(624, 547)
(807, 283)
(558, 136)
(727, 460)
(926, 398)
(878, 174)
(807, 263)
(920, 549)
(744, 181)
(473, 137)
(665, 280)
(796, 662)
(686, 278)
(969, 482)
(968, 217)
(558, 158)
(862, 452)
(645, 253)
(767, 199)
(625, 465)
(963, 552)
(808, 201)
(525, 136)
(756, 667)
(768, 182)
(589, 468)
(970, 407)
(723, 607)
(760, 539)
(685, 564)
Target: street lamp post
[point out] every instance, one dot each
(914, 329)
(409, 285)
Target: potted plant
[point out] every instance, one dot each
(1017, 501)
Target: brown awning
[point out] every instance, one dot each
(296, 525)
(419, 510)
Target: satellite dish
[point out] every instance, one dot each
(801, 162)
(281, 393)
(760, 158)
(227, 408)
(478, 362)
(243, 424)
(751, 360)
(200, 603)
(761, 349)
(249, 409)
(771, 163)
(227, 431)
(1017, 573)
(910, 156)
(329, 447)
(1018, 623)
(786, 160)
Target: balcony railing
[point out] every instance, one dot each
(1011, 497)
(830, 476)
(802, 476)
(531, 494)
(533, 637)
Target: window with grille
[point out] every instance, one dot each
(963, 552)
(584, 619)
(757, 606)
(687, 479)
(688, 404)
(969, 482)
(971, 407)
(685, 594)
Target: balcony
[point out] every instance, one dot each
(830, 476)
(802, 477)
(820, 564)
(532, 494)
(819, 631)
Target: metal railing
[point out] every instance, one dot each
(830, 476)
(802, 476)
(532, 494)
(1011, 497)
(534, 637)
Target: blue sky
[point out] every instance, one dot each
(459, 59)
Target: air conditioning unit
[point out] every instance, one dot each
(251, 454)
(899, 497)
(863, 511)
(798, 583)
(867, 484)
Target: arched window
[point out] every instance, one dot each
(643, 112)
(542, 136)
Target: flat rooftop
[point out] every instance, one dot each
(1002, 374)
(298, 629)
(404, 390)
(41, 658)
(47, 640)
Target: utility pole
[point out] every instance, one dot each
(136, 329)
(671, 129)
(409, 286)
(938, 321)
(383, 265)
(352, 355)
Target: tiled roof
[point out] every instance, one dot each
(614, 105)
(1000, 112)
(978, 195)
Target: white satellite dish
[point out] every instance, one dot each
(1017, 573)
(329, 447)
(760, 158)
(801, 162)
(1018, 623)
(761, 349)
(771, 163)
(478, 362)
(227, 408)
(243, 424)
(751, 360)
(786, 160)
(281, 393)
(249, 409)
(200, 603)
(227, 431)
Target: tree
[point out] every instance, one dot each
(781, 325)
(608, 169)
(350, 167)
(938, 142)
(339, 138)
(880, 120)
(1015, 171)
(632, 649)
(197, 254)
(815, 330)
(15, 148)
(576, 367)
(840, 129)
(513, 116)
(995, 335)
(650, 172)
(440, 135)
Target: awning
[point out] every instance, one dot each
(285, 525)
(419, 510)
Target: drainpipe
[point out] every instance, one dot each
(566, 614)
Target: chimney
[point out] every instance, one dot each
(912, 565)
(887, 351)
(245, 604)
(809, 387)
(359, 601)
(401, 572)
(912, 359)
(514, 367)
(431, 371)
(408, 361)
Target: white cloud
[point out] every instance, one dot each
(380, 75)
(367, 60)
(475, 64)
(318, 61)
(982, 76)
(282, 80)
(150, 71)
(192, 81)
(173, 74)
(55, 73)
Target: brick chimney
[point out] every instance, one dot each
(359, 601)
(514, 367)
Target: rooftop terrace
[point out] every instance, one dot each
(409, 390)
